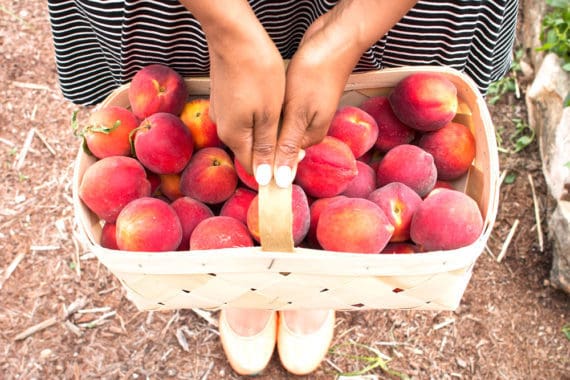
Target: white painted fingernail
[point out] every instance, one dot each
(283, 176)
(263, 174)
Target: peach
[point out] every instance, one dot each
(353, 225)
(107, 132)
(237, 205)
(148, 224)
(157, 88)
(401, 247)
(452, 148)
(410, 165)
(112, 182)
(327, 169)
(424, 101)
(301, 215)
(364, 182)
(196, 116)
(391, 131)
(447, 219)
(210, 176)
(315, 209)
(355, 127)
(163, 144)
(170, 186)
(220, 232)
(245, 177)
(190, 212)
(399, 202)
(154, 180)
(108, 236)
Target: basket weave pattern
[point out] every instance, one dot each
(307, 278)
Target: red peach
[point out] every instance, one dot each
(148, 224)
(401, 248)
(108, 130)
(301, 215)
(424, 101)
(353, 225)
(452, 148)
(196, 116)
(327, 169)
(190, 212)
(112, 182)
(210, 176)
(108, 236)
(410, 165)
(447, 219)
(237, 205)
(170, 186)
(399, 202)
(315, 210)
(157, 88)
(220, 232)
(163, 144)
(355, 127)
(245, 177)
(391, 131)
(364, 182)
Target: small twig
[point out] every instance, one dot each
(174, 317)
(181, 338)
(12, 267)
(536, 214)
(507, 241)
(44, 141)
(32, 86)
(73, 328)
(207, 372)
(443, 324)
(34, 329)
(337, 368)
(502, 177)
(488, 250)
(99, 321)
(44, 247)
(206, 315)
(94, 310)
(22, 156)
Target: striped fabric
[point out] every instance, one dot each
(100, 45)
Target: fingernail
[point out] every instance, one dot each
(283, 176)
(263, 174)
(301, 155)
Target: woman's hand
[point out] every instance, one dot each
(247, 82)
(317, 73)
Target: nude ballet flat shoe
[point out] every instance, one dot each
(248, 355)
(299, 353)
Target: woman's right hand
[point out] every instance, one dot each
(247, 82)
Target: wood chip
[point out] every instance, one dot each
(443, 324)
(536, 214)
(44, 141)
(25, 148)
(181, 338)
(31, 86)
(507, 242)
(12, 267)
(206, 315)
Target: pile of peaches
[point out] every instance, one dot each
(379, 182)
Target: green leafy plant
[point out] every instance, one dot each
(508, 83)
(566, 330)
(555, 32)
(519, 139)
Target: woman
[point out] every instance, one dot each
(241, 45)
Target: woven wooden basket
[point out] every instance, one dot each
(278, 276)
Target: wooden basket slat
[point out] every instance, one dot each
(250, 277)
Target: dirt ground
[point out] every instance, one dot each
(508, 326)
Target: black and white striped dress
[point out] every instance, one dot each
(99, 45)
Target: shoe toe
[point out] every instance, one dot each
(301, 354)
(248, 355)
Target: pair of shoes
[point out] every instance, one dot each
(302, 353)
(248, 355)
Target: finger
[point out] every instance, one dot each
(290, 140)
(263, 149)
(237, 136)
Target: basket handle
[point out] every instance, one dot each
(275, 218)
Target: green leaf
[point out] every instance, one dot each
(510, 178)
(566, 330)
